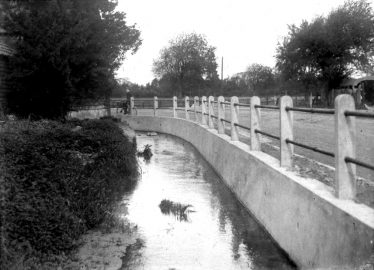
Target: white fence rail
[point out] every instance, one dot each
(344, 118)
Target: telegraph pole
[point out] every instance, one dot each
(221, 74)
(222, 69)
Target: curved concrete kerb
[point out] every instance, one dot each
(314, 227)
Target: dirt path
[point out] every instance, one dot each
(116, 242)
(112, 246)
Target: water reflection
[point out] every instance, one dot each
(219, 232)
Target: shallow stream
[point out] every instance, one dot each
(205, 226)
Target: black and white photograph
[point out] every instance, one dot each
(186, 135)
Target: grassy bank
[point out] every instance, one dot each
(57, 181)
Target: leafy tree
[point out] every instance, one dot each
(66, 53)
(258, 76)
(329, 49)
(295, 55)
(233, 86)
(188, 62)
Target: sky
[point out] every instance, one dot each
(243, 31)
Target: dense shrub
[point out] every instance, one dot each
(60, 180)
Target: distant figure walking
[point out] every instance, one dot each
(127, 103)
(128, 100)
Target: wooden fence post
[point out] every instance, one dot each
(187, 107)
(155, 106)
(234, 119)
(286, 131)
(175, 106)
(203, 110)
(345, 133)
(132, 102)
(255, 116)
(195, 105)
(221, 115)
(210, 111)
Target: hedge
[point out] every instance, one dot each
(59, 180)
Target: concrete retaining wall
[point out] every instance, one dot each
(315, 228)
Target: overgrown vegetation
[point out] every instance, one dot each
(58, 181)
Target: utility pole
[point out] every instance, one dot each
(222, 69)
(222, 74)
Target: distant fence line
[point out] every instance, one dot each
(166, 102)
(203, 111)
(269, 100)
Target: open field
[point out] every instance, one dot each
(318, 130)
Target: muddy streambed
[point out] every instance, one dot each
(182, 216)
(211, 231)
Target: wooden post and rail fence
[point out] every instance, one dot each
(344, 113)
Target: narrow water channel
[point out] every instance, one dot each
(214, 232)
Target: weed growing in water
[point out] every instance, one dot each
(180, 211)
(146, 153)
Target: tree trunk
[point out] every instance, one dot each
(179, 90)
(107, 105)
(310, 99)
(325, 97)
